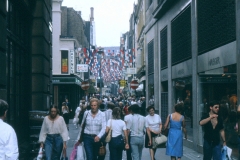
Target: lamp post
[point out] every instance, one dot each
(100, 51)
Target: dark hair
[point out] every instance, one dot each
(3, 107)
(150, 107)
(178, 107)
(212, 103)
(135, 108)
(110, 105)
(130, 108)
(54, 106)
(116, 113)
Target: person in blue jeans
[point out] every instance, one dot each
(118, 126)
(213, 133)
(137, 127)
(53, 134)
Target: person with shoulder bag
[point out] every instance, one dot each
(117, 127)
(154, 127)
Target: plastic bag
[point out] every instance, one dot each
(74, 152)
(40, 154)
(81, 153)
(226, 153)
(75, 120)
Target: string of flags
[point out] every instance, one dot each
(112, 65)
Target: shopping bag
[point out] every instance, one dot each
(75, 120)
(40, 154)
(226, 153)
(81, 152)
(74, 152)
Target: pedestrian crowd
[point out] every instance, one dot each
(119, 125)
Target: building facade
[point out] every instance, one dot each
(26, 71)
(192, 56)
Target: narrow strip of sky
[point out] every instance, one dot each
(111, 17)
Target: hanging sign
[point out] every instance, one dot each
(82, 68)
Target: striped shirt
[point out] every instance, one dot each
(136, 125)
(95, 125)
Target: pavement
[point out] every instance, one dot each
(188, 153)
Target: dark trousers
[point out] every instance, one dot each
(91, 148)
(116, 147)
(211, 151)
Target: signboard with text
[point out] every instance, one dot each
(82, 68)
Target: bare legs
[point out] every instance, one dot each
(152, 153)
(174, 158)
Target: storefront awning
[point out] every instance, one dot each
(67, 80)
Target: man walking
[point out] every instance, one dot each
(213, 133)
(8, 138)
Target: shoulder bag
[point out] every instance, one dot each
(109, 134)
(83, 127)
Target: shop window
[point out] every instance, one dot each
(64, 62)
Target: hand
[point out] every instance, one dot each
(149, 143)
(64, 146)
(224, 143)
(96, 139)
(77, 144)
(41, 145)
(213, 116)
(126, 146)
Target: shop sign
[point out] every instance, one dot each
(82, 68)
(131, 70)
(218, 80)
(65, 80)
(182, 69)
(71, 62)
(122, 83)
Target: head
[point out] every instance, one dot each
(3, 109)
(66, 99)
(151, 110)
(94, 103)
(110, 105)
(129, 109)
(214, 107)
(116, 113)
(120, 104)
(178, 107)
(135, 109)
(53, 111)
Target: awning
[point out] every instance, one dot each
(67, 80)
(140, 87)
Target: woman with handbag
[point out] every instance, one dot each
(154, 127)
(115, 128)
(175, 137)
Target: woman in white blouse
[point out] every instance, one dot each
(116, 145)
(154, 127)
(54, 134)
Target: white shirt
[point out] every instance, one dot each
(108, 114)
(137, 125)
(127, 118)
(53, 127)
(117, 125)
(94, 125)
(153, 122)
(8, 142)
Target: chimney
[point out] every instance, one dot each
(92, 14)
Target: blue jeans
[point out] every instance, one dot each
(91, 147)
(211, 151)
(116, 146)
(53, 146)
(137, 147)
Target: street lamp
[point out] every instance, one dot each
(100, 52)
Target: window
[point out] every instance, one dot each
(64, 62)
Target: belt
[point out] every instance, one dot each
(53, 135)
(91, 135)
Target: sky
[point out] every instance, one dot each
(111, 18)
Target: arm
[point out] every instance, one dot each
(149, 136)
(222, 133)
(126, 139)
(206, 120)
(11, 149)
(102, 131)
(43, 133)
(64, 132)
(167, 122)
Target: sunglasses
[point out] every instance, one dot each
(216, 107)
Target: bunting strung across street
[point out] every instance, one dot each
(112, 65)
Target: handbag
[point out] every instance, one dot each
(102, 150)
(158, 140)
(83, 127)
(109, 134)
